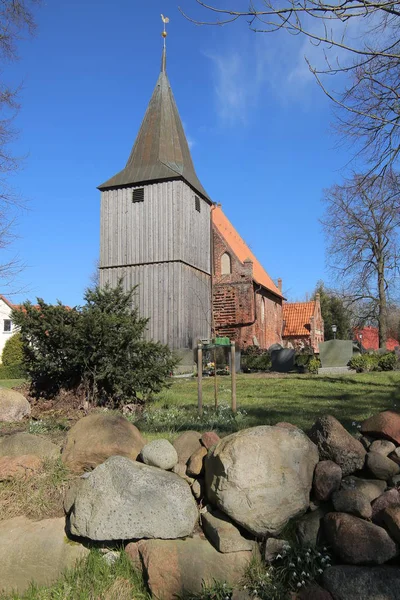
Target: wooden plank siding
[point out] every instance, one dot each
(163, 246)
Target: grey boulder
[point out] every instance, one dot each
(371, 488)
(21, 444)
(261, 477)
(381, 466)
(222, 533)
(122, 499)
(352, 501)
(362, 583)
(159, 453)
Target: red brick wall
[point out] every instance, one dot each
(237, 303)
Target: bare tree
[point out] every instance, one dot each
(369, 108)
(16, 20)
(362, 225)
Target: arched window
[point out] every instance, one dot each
(226, 268)
(262, 310)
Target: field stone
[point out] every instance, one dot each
(175, 567)
(308, 527)
(384, 447)
(93, 439)
(371, 488)
(313, 591)
(198, 488)
(159, 453)
(381, 467)
(35, 551)
(209, 439)
(336, 444)
(352, 501)
(383, 425)
(273, 547)
(21, 444)
(346, 582)
(366, 441)
(387, 499)
(17, 467)
(356, 541)
(195, 465)
(327, 479)
(261, 477)
(13, 406)
(186, 444)
(123, 499)
(222, 533)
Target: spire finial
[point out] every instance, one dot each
(164, 34)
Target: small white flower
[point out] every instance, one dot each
(299, 585)
(279, 556)
(320, 570)
(291, 564)
(302, 573)
(303, 583)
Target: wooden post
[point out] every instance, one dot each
(215, 380)
(200, 378)
(233, 376)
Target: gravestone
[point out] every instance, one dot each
(282, 360)
(335, 353)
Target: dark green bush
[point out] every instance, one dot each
(255, 359)
(313, 365)
(387, 362)
(373, 361)
(12, 351)
(12, 372)
(99, 346)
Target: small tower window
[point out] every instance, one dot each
(226, 267)
(197, 203)
(138, 195)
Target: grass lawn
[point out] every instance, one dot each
(10, 383)
(266, 400)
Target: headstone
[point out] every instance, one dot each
(335, 353)
(282, 360)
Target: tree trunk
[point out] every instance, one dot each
(382, 318)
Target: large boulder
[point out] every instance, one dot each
(122, 499)
(362, 583)
(176, 567)
(34, 551)
(386, 500)
(352, 501)
(13, 406)
(336, 444)
(98, 436)
(357, 542)
(21, 444)
(261, 477)
(222, 533)
(159, 453)
(383, 425)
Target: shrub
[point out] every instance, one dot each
(99, 346)
(13, 372)
(387, 362)
(363, 363)
(255, 359)
(313, 365)
(12, 351)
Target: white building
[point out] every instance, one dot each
(6, 326)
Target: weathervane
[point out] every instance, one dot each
(165, 20)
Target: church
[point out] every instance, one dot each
(162, 232)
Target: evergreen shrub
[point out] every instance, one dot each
(12, 352)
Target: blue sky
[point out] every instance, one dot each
(259, 128)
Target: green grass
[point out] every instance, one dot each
(298, 399)
(9, 383)
(92, 579)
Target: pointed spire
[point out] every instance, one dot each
(164, 34)
(161, 150)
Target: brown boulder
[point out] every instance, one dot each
(209, 438)
(314, 592)
(21, 444)
(356, 541)
(352, 501)
(98, 436)
(387, 499)
(371, 488)
(186, 444)
(195, 464)
(174, 567)
(336, 444)
(385, 424)
(12, 467)
(384, 447)
(327, 479)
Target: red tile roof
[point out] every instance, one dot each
(297, 316)
(6, 301)
(370, 338)
(241, 250)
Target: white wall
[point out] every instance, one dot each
(5, 312)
